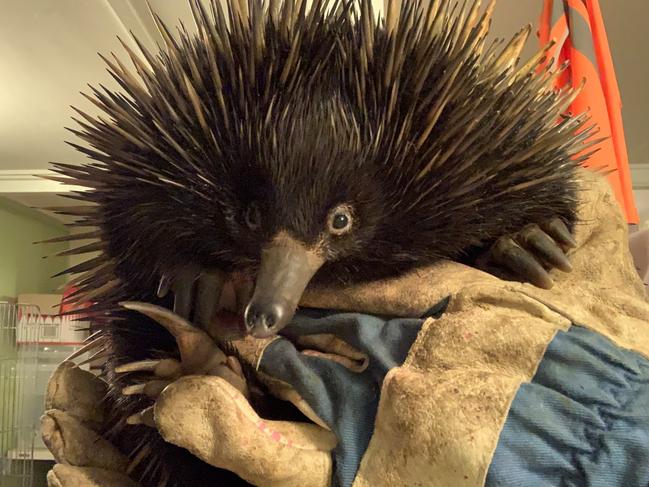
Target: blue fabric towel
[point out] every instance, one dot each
(347, 401)
(582, 421)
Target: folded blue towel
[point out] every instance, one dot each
(582, 421)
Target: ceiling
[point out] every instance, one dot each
(48, 53)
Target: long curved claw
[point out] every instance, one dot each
(536, 240)
(152, 388)
(134, 389)
(198, 352)
(558, 230)
(199, 356)
(165, 285)
(140, 366)
(144, 417)
(166, 368)
(183, 289)
(509, 254)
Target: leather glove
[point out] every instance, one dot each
(329, 365)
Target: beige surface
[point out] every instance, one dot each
(47, 303)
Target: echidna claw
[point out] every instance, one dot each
(198, 352)
(152, 388)
(536, 240)
(164, 286)
(199, 356)
(144, 417)
(197, 293)
(530, 253)
(510, 255)
(134, 389)
(140, 366)
(558, 230)
(210, 287)
(167, 368)
(183, 289)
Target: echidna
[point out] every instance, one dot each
(294, 144)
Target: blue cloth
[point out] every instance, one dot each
(582, 421)
(346, 401)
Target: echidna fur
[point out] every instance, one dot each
(440, 141)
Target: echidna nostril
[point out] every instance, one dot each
(269, 319)
(252, 317)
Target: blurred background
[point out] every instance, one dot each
(48, 53)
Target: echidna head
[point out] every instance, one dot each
(305, 202)
(297, 145)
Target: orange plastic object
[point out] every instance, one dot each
(577, 27)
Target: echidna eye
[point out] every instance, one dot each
(340, 220)
(253, 217)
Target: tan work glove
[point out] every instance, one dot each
(206, 414)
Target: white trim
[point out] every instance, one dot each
(38, 454)
(31, 181)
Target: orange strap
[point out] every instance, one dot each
(578, 29)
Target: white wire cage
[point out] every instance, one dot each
(18, 393)
(32, 344)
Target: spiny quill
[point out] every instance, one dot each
(378, 144)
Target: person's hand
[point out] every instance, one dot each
(329, 365)
(71, 429)
(200, 405)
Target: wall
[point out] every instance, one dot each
(23, 268)
(642, 203)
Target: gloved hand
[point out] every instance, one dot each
(330, 365)
(70, 427)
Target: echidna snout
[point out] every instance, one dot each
(287, 266)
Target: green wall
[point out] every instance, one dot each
(22, 266)
(22, 270)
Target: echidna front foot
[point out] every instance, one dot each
(559, 231)
(199, 355)
(533, 251)
(207, 298)
(193, 290)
